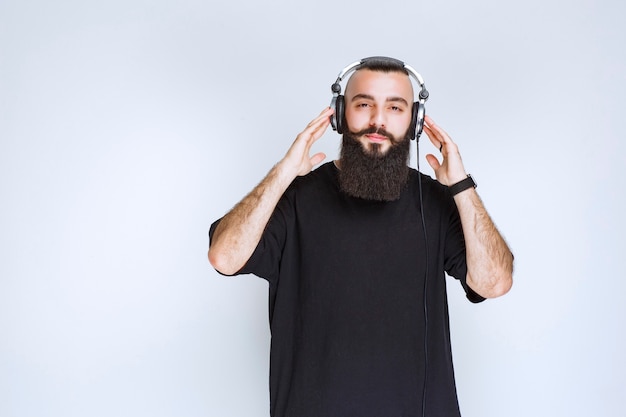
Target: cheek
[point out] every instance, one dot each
(402, 125)
(356, 120)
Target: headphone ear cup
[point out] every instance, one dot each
(417, 119)
(339, 113)
(413, 126)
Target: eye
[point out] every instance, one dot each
(396, 108)
(363, 105)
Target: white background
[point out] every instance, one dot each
(127, 127)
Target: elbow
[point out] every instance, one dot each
(492, 280)
(221, 262)
(502, 286)
(497, 285)
(504, 279)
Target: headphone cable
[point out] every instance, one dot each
(421, 200)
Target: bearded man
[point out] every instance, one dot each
(355, 253)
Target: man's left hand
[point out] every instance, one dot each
(450, 170)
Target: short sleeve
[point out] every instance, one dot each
(265, 260)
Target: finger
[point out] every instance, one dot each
(434, 137)
(434, 134)
(324, 115)
(433, 162)
(441, 134)
(317, 158)
(316, 128)
(444, 141)
(430, 122)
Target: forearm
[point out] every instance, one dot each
(489, 260)
(239, 231)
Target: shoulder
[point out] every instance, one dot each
(310, 193)
(323, 176)
(431, 194)
(429, 185)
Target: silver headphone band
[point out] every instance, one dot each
(347, 70)
(355, 65)
(415, 74)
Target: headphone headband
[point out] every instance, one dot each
(337, 101)
(355, 65)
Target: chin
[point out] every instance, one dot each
(375, 149)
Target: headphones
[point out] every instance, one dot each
(337, 120)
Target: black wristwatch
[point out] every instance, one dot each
(462, 185)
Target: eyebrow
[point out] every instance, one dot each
(389, 99)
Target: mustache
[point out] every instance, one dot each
(376, 130)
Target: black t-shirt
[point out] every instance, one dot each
(346, 300)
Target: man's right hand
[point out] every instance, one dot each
(297, 160)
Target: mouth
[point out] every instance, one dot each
(376, 138)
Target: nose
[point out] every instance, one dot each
(377, 117)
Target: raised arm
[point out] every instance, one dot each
(240, 230)
(489, 260)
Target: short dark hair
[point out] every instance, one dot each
(383, 64)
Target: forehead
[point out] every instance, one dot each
(380, 84)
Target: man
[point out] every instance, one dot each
(355, 253)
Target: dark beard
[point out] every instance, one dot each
(370, 174)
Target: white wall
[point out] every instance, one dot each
(127, 127)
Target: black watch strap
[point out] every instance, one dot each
(462, 185)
